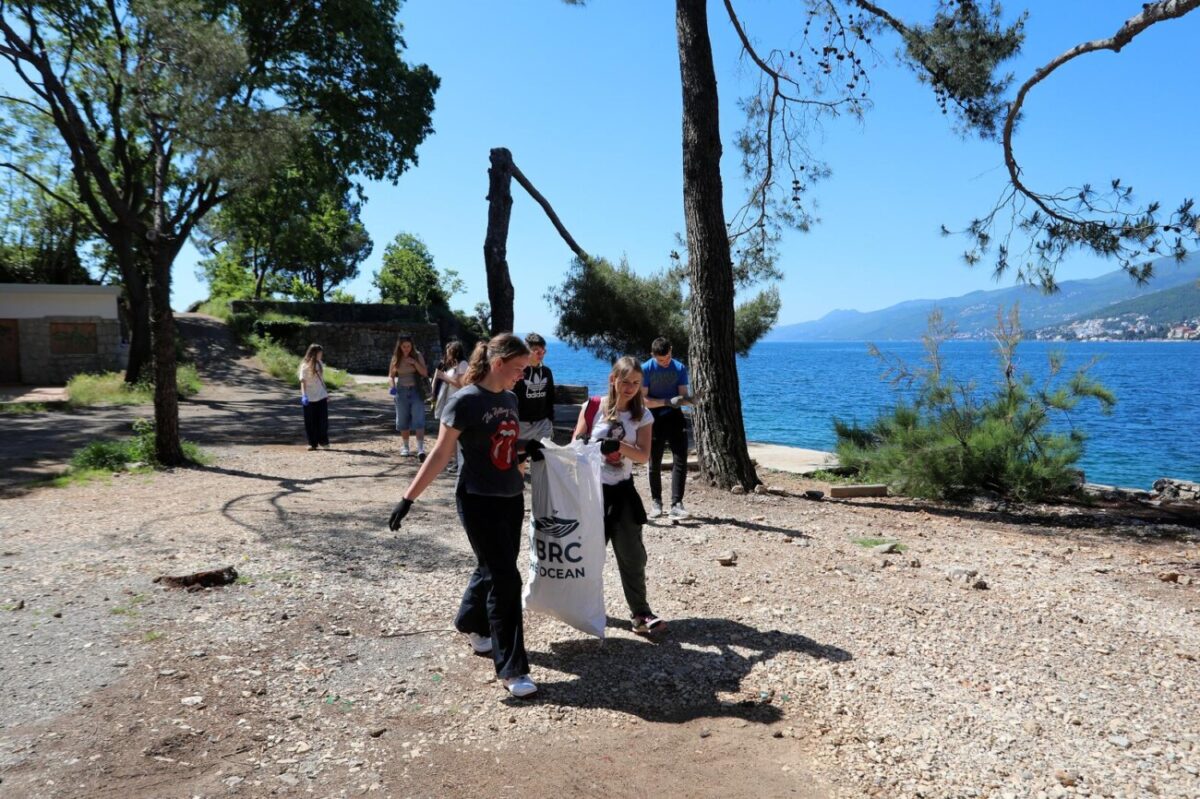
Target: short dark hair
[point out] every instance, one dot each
(534, 340)
(661, 346)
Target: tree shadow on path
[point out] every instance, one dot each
(306, 516)
(675, 679)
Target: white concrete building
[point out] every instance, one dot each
(50, 332)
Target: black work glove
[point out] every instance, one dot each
(401, 510)
(582, 437)
(533, 450)
(609, 445)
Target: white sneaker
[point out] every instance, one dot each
(655, 509)
(520, 687)
(404, 451)
(482, 644)
(679, 512)
(421, 455)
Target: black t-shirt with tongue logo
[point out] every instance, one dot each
(488, 426)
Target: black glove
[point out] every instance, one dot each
(398, 514)
(533, 450)
(609, 445)
(582, 437)
(675, 401)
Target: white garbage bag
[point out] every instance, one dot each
(566, 537)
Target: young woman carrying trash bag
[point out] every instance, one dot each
(623, 426)
(481, 421)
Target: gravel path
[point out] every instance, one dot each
(814, 667)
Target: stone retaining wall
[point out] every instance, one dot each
(365, 348)
(42, 340)
(337, 312)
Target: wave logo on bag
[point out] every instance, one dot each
(566, 538)
(555, 527)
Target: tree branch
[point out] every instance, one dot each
(1152, 14)
(49, 192)
(519, 176)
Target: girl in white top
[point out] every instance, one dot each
(451, 374)
(623, 427)
(314, 397)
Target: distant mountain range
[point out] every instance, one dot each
(974, 314)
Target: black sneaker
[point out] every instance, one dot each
(648, 624)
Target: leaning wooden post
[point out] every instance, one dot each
(495, 243)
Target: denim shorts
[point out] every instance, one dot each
(410, 409)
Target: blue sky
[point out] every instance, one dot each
(588, 100)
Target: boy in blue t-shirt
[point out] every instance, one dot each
(665, 387)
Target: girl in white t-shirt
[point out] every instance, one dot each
(623, 426)
(450, 374)
(314, 397)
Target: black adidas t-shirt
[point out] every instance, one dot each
(535, 394)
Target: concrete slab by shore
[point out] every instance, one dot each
(792, 459)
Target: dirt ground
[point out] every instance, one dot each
(1067, 664)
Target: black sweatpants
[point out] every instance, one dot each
(670, 430)
(491, 605)
(316, 422)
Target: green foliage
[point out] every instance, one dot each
(22, 408)
(949, 442)
(40, 239)
(282, 364)
(117, 456)
(297, 234)
(227, 276)
(408, 275)
(473, 328)
(217, 307)
(612, 311)
(754, 319)
(279, 330)
(110, 388)
(111, 456)
(958, 55)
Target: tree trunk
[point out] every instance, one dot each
(162, 254)
(720, 435)
(166, 396)
(139, 317)
(495, 243)
(260, 273)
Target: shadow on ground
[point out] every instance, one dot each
(678, 678)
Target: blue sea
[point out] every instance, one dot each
(792, 391)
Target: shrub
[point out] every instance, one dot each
(109, 456)
(281, 330)
(107, 388)
(110, 388)
(947, 442)
(218, 307)
(187, 380)
(115, 456)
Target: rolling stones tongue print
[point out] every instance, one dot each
(504, 443)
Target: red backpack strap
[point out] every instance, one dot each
(589, 413)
